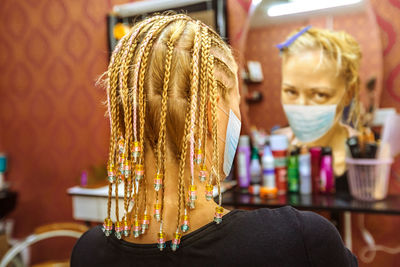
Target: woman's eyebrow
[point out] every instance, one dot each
(324, 88)
(288, 85)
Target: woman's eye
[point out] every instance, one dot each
(321, 96)
(290, 92)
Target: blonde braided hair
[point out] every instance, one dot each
(175, 68)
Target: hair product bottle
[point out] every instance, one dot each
(293, 171)
(305, 171)
(243, 162)
(268, 188)
(315, 168)
(326, 173)
(255, 173)
(279, 145)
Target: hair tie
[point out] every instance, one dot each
(288, 42)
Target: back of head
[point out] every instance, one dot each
(161, 78)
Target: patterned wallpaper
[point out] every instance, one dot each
(52, 123)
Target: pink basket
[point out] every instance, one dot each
(368, 178)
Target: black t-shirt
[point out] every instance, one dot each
(264, 237)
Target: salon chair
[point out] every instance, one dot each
(44, 232)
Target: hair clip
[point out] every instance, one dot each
(293, 38)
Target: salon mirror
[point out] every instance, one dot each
(266, 32)
(272, 22)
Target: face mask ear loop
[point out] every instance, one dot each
(227, 114)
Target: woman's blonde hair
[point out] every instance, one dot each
(340, 47)
(162, 76)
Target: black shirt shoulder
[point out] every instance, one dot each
(323, 243)
(263, 237)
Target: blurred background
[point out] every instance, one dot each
(53, 128)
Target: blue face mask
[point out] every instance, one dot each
(310, 123)
(231, 140)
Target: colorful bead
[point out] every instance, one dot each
(121, 145)
(157, 211)
(145, 222)
(192, 196)
(203, 173)
(209, 191)
(135, 151)
(107, 226)
(120, 178)
(121, 159)
(161, 241)
(193, 192)
(218, 214)
(127, 227)
(139, 172)
(158, 182)
(176, 241)
(185, 223)
(198, 156)
(118, 229)
(111, 173)
(127, 169)
(137, 230)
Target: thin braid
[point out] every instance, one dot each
(205, 53)
(182, 163)
(162, 149)
(193, 91)
(109, 200)
(215, 168)
(210, 77)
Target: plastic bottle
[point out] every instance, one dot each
(305, 171)
(279, 145)
(268, 188)
(326, 173)
(255, 173)
(293, 171)
(315, 168)
(243, 163)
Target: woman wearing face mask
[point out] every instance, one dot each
(173, 104)
(319, 79)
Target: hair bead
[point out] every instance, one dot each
(126, 227)
(176, 240)
(118, 229)
(203, 173)
(107, 226)
(218, 214)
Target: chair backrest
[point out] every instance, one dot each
(43, 232)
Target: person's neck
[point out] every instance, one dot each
(198, 217)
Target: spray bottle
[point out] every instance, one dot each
(305, 171)
(255, 173)
(268, 188)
